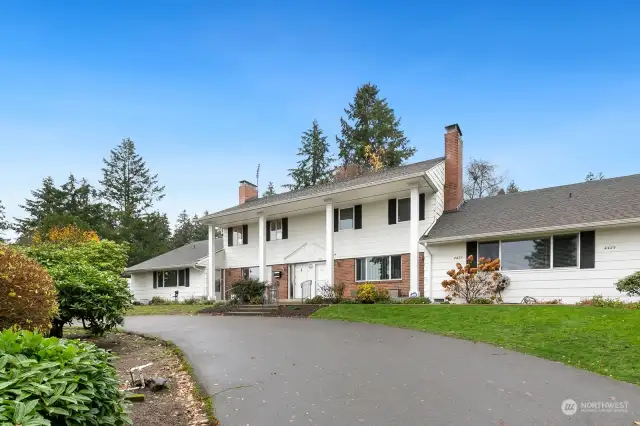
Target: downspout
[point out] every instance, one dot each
(426, 246)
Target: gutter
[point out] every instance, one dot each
(572, 227)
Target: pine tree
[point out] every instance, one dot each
(73, 203)
(315, 166)
(270, 190)
(128, 185)
(372, 130)
(130, 190)
(512, 188)
(183, 232)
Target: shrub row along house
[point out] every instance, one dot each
(403, 228)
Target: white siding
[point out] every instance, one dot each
(375, 238)
(141, 286)
(617, 255)
(434, 207)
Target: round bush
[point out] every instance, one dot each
(28, 296)
(46, 380)
(367, 293)
(630, 285)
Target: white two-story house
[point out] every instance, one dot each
(405, 227)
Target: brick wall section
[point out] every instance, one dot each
(283, 282)
(246, 191)
(453, 168)
(345, 272)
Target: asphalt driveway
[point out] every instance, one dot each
(283, 371)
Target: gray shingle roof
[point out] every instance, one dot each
(581, 203)
(182, 257)
(371, 178)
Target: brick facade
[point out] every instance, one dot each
(345, 272)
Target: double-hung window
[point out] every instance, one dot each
(238, 236)
(404, 209)
(346, 218)
(379, 268)
(275, 229)
(171, 278)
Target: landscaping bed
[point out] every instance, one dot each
(296, 311)
(176, 405)
(603, 340)
(168, 309)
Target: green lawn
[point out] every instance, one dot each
(165, 310)
(603, 340)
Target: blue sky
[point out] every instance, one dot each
(207, 90)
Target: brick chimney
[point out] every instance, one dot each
(453, 168)
(247, 191)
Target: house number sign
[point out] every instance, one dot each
(458, 258)
(609, 247)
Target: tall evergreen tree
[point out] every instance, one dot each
(75, 202)
(270, 190)
(189, 229)
(130, 190)
(127, 184)
(315, 166)
(371, 131)
(512, 188)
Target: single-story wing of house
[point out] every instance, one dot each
(179, 273)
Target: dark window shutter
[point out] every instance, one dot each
(588, 250)
(245, 234)
(357, 212)
(230, 237)
(392, 211)
(421, 207)
(155, 279)
(268, 230)
(181, 277)
(472, 250)
(336, 220)
(186, 277)
(285, 228)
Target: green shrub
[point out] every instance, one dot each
(600, 302)
(481, 301)
(367, 293)
(193, 300)
(383, 295)
(256, 300)
(417, 301)
(317, 300)
(333, 293)
(61, 382)
(87, 278)
(630, 285)
(245, 290)
(158, 300)
(349, 302)
(28, 296)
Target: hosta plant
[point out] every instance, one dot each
(47, 381)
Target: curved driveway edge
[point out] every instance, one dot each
(281, 371)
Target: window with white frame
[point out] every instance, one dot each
(379, 268)
(404, 209)
(346, 218)
(275, 229)
(237, 235)
(171, 278)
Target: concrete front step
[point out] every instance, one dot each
(246, 313)
(255, 307)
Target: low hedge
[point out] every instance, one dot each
(50, 381)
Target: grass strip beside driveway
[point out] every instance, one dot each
(603, 340)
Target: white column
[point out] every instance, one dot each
(262, 258)
(329, 241)
(413, 242)
(211, 267)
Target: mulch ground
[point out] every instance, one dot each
(173, 406)
(296, 311)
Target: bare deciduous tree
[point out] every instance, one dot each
(483, 180)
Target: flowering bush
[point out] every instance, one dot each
(367, 293)
(471, 283)
(69, 234)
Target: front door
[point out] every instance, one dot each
(302, 274)
(320, 278)
(219, 284)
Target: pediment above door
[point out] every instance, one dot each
(308, 252)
